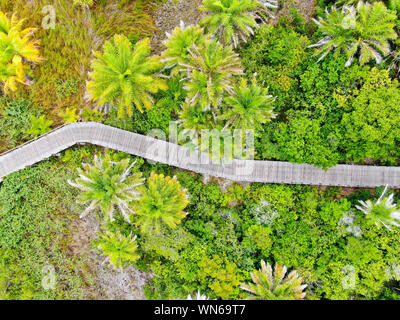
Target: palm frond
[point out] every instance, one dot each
(125, 75)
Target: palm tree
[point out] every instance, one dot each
(125, 75)
(384, 211)
(365, 30)
(16, 47)
(194, 118)
(12, 73)
(178, 44)
(210, 69)
(274, 286)
(230, 20)
(250, 106)
(161, 203)
(108, 185)
(118, 249)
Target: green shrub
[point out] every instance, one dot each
(15, 120)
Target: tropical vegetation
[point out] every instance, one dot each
(118, 248)
(124, 75)
(160, 203)
(273, 284)
(16, 49)
(364, 30)
(108, 185)
(317, 86)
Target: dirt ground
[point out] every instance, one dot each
(109, 284)
(169, 16)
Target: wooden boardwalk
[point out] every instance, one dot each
(178, 156)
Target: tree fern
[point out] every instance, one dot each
(250, 106)
(272, 285)
(108, 185)
(178, 44)
(210, 69)
(230, 20)
(383, 212)
(125, 75)
(161, 203)
(118, 249)
(364, 30)
(16, 48)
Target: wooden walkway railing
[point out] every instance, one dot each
(178, 156)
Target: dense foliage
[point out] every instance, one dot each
(322, 91)
(327, 112)
(124, 75)
(17, 48)
(108, 185)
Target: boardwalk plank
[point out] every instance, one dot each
(178, 156)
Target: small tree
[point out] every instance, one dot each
(124, 75)
(84, 3)
(160, 203)
(108, 185)
(178, 44)
(118, 249)
(364, 29)
(269, 285)
(250, 106)
(382, 212)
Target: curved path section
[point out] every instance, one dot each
(179, 156)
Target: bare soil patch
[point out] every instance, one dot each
(169, 15)
(106, 283)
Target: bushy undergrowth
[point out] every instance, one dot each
(15, 120)
(222, 239)
(35, 213)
